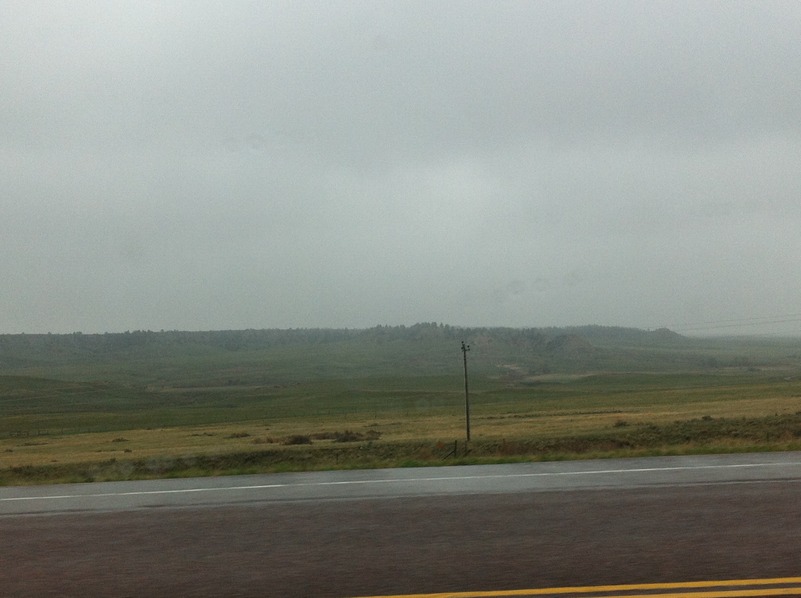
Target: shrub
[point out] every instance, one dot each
(267, 440)
(348, 436)
(298, 439)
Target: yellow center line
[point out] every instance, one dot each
(722, 594)
(685, 585)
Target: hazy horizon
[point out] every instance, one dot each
(223, 166)
(707, 332)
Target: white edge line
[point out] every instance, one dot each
(396, 481)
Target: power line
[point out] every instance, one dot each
(739, 322)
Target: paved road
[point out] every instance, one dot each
(408, 531)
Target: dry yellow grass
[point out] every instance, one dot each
(423, 426)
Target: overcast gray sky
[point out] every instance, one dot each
(221, 165)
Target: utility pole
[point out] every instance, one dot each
(465, 349)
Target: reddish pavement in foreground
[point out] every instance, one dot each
(410, 545)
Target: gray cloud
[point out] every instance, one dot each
(227, 165)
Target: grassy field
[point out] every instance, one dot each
(206, 410)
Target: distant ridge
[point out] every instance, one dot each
(281, 356)
(429, 345)
(569, 344)
(79, 343)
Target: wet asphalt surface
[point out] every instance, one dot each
(408, 531)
